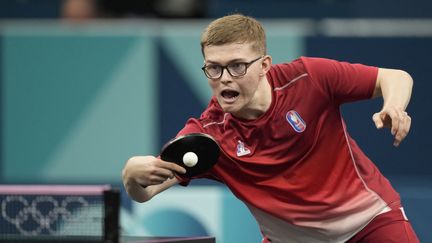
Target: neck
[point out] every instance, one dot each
(259, 104)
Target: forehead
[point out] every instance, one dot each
(228, 52)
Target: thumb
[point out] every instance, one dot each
(378, 120)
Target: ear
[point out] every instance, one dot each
(266, 65)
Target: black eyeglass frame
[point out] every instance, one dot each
(247, 65)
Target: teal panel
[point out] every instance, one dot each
(198, 209)
(286, 39)
(120, 122)
(285, 48)
(182, 42)
(52, 84)
(239, 224)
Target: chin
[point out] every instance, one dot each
(228, 109)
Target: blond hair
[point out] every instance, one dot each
(235, 28)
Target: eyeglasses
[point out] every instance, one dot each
(235, 69)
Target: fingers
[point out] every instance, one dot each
(156, 179)
(403, 128)
(160, 171)
(398, 121)
(172, 167)
(148, 170)
(154, 175)
(379, 123)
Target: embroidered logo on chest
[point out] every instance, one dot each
(295, 121)
(241, 149)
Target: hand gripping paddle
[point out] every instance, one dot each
(196, 152)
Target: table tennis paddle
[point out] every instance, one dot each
(196, 152)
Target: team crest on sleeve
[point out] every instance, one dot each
(295, 121)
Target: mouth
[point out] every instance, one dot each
(229, 96)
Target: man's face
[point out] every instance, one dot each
(236, 95)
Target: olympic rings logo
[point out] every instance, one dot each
(41, 214)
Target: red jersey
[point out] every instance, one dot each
(296, 168)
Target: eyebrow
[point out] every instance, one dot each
(231, 61)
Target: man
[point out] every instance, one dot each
(286, 151)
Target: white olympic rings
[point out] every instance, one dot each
(32, 216)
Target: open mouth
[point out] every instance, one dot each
(229, 94)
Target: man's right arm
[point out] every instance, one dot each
(146, 176)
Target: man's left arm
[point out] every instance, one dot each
(395, 87)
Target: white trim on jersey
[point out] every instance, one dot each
(291, 82)
(215, 122)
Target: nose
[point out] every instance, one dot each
(226, 77)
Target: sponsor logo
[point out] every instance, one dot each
(295, 121)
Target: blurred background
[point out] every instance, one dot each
(86, 84)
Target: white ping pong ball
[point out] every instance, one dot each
(190, 159)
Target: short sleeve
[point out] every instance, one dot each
(342, 81)
(193, 125)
